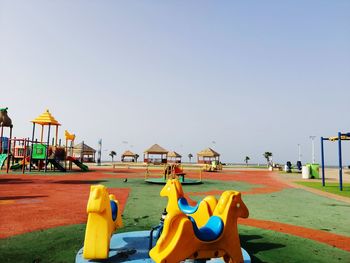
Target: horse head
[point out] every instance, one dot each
(69, 136)
(172, 190)
(231, 202)
(98, 199)
(240, 208)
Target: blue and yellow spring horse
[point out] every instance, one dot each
(104, 217)
(184, 236)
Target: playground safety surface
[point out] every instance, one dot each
(134, 247)
(35, 202)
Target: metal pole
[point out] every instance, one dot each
(15, 152)
(47, 148)
(99, 152)
(312, 137)
(56, 135)
(313, 151)
(42, 133)
(31, 148)
(82, 152)
(9, 151)
(65, 159)
(24, 155)
(340, 163)
(27, 146)
(322, 160)
(1, 139)
(71, 154)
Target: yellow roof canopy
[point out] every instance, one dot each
(46, 118)
(208, 152)
(83, 148)
(128, 153)
(156, 149)
(174, 154)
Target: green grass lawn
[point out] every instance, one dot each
(144, 207)
(62, 243)
(330, 187)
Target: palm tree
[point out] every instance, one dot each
(267, 156)
(112, 154)
(190, 156)
(246, 159)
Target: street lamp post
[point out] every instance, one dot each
(312, 137)
(299, 152)
(99, 152)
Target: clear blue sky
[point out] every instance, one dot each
(252, 76)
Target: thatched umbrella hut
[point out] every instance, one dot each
(128, 156)
(84, 152)
(207, 156)
(174, 157)
(155, 154)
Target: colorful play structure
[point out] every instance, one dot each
(341, 137)
(207, 230)
(29, 154)
(104, 217)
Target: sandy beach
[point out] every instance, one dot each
(332, 174)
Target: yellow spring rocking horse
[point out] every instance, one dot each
(177, 203)
(184, 238)
(104, 217)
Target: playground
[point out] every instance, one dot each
(47, 212)
(26, 154)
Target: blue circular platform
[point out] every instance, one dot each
(133, 247)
